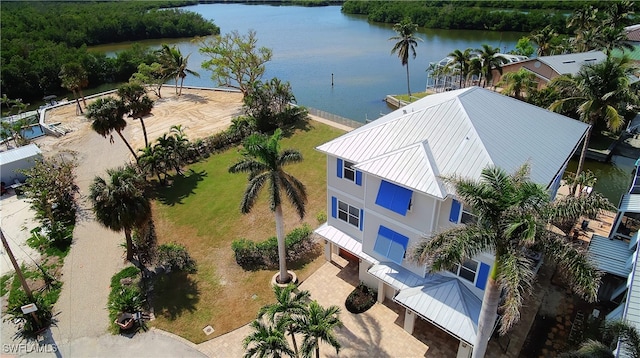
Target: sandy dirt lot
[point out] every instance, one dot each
(201, 112)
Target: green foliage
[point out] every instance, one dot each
(52, 241)
(175, 257)
(51, 190)
(4, 283)
(125, 295)
(321, 217)
(235, 60)
(360, 299)
(269, 105)
(521, 16)
(524, 47)
(264, 255)
(33, 31)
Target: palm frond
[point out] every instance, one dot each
(515, 276)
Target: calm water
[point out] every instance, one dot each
(310, 44)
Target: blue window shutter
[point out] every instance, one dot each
(391, 244)
(361, 219)
(358, 177)
(483, 275)
(454, 215)
(394, 197)
(334, 207)
(339, 168)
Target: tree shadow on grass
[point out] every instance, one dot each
(174, 293)
(181, 187)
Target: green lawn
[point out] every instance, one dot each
(414, 96)
(202, 212)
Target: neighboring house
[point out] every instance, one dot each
(547, 68)
(633, 38)
(14, 160)
(617, 256)
(385, 193)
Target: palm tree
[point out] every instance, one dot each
(74, 78)
(490, 60)
(288, 307)
(597, 93)
(106, 115)
(611, 335)
(461, 62)
(406, 44)
(175, 65)
(512, 216)
(319, 325)
(266, 341)
(137, 103)
(119, 202)
(544, 40)
(151, 162)
(263, 160)
(610, 38)
(516, 83)
(583, 21)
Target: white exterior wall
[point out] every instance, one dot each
(341, 184)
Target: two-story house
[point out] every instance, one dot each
(385, 193)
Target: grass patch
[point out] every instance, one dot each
(4, 284)
(206, 218)
(414, 96)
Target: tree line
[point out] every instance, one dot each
(39, 37)
(517, 16)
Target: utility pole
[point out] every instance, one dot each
(26, 288)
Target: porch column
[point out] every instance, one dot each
(380, 291)
(409, 320)
(327, 250)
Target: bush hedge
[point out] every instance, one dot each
(264, 255)
(360, 299)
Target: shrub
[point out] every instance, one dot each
(264, 255)
(123, 297)
(360, 299)
(321, 217)
(30, 327)
(174, 256)
(53, 239)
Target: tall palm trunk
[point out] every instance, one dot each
(293, 339)
(181, 82)
(317, 348)
(486, 321)
(408, 86)
(78, 107)
(282, 251)
(144, 131)
(84, 101)
(583, 154)
(128, 145)
(176, 86)
(127, 235)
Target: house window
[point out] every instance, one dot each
(468, 217)
(460, 214)
(348, 213)
(348, 171)
(394, 197)
(467, 270)
(391, 244)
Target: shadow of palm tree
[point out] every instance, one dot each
(174, 293)
(364, 344)
(194, 98)
(182, 186)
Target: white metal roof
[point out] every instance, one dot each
(421, 173)
(344, 241)
(465, 131)
(571, 63)
(396, 276)
(447, 303)
(632, 309)
(610, 255)
(20, 153)
(630, 203)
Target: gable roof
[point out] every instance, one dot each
(572, 62)
(460, 133)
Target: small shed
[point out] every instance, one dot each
(14, 160)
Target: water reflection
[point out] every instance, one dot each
(613, 179)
